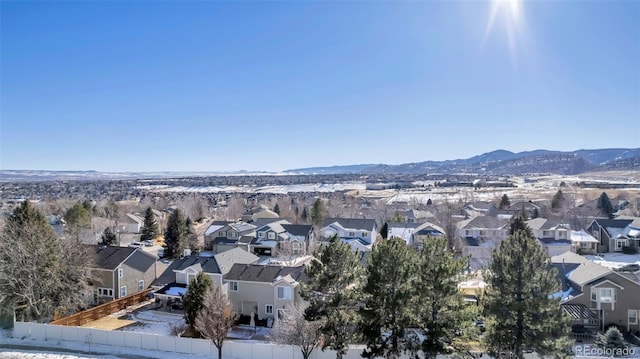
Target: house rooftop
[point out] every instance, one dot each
(352, 223)
(264, 274)
(110, 257)
(298, 229)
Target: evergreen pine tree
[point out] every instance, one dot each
(519, 307)
(605, 206)
(149, 227)
(175, 236)
(338, 275)
(318, 213)
(36, 276)
(429, 202)
(611, 339)
(558, 200)
(305, 214)
(441, 310)
(193, 299)
(389, 295)
(108, 238)
(192, 236)
(504, 202)
(384, 230)
(276, 209)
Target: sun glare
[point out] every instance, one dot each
(509, 14)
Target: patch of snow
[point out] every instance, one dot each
(614, 260)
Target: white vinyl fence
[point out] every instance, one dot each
(236, 349)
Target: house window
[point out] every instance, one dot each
(607, 295)
(123, 291)
(120, 273)
(105, 292)
(233, 286)
(632, 316)
(284, 293)
(619, 244)
(223, 234)
(546, 234)
(594, 295)
(365, 234)
(231, 234)
(268, 309)
(260, 234)
(295, 247)
(483, 232)
(352, 234)
(467, 233)
(140, 284)
(583, 245)
(562, 234)
(272, 235)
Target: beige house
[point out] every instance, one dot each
(598, 296)
(264, 289)
(553, 235)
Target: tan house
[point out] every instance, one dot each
(119, 271)
(264, 289)
(553, 235)
(596, 295)
(229, 236)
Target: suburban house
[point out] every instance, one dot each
(119, 271)
(264, 290)
(211, 232)
(425, 231)
(403, 230)
(583, 243)
(610, 233)
(480, 236)
(596, 296)
(553, 235)
(175, 279)
(230, 236)
(351, 229)
(261, 212)
(531, 209)
(130, 223)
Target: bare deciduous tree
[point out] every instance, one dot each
(215, 319)
(293, 329)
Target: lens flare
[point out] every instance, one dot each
(510, 14)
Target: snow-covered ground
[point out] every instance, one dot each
(614, 260)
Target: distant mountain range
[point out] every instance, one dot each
(502, 162)
(499, 162)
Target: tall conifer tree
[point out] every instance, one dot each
(522, 313)
(149, 227)
(334, 292)
(389, 305)
(175, 236)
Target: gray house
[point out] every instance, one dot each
(120, 271)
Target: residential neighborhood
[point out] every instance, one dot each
(261, 262)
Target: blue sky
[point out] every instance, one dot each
(224, 86)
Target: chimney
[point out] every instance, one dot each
(563, 266)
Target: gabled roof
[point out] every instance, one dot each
(352, 223)
(227, 259)
(264, 273)
(135, 218)
(220, 263)
(214, 226)
(429, 228)
(141, 260)
(611, 223)
(588, 272)
(582, 236)
(298, 229)
(109, 257)
(483, 222)
(402, 225)
(543, 224)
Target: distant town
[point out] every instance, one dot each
(291, 256)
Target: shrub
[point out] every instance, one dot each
(629, 250)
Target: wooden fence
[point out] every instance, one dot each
(103, 310)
